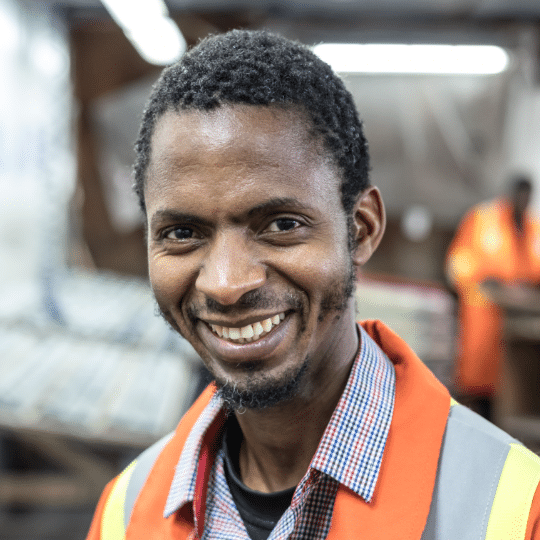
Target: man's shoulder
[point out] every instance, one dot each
(486, 481)
(485, 208)
(468, 420)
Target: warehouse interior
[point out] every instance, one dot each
(89, 374)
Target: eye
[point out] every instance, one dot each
(283, 225)
(179, 233)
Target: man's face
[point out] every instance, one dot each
(248, 248)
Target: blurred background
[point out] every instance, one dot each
(89, 374)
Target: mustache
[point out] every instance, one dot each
(251, 300)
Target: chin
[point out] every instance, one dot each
(261, 391)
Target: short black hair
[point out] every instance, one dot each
(260, 68)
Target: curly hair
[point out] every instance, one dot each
(260, 68)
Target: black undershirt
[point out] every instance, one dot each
(260, 512)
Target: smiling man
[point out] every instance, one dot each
(252, 171)
(249, 255)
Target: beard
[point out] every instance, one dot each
(260, 391)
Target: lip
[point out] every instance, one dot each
(239, 323)
(236, 353)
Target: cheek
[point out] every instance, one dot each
(169, 280)
(315, 270)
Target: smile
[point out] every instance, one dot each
(250, 332)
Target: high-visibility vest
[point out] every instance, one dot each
(447, 474)
(467, 503)
(486, 246)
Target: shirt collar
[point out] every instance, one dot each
(352, 445)
(182, 488)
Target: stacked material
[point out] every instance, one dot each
(104, 367)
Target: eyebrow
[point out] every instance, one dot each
(277, 203)
(173, 215)
(274, 204)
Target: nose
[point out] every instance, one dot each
(230, 269)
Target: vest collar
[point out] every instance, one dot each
(402, 497)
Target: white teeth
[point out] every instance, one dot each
(247, 331)
(250, 332)
(267, 325)
(258, 329)
(234, 333)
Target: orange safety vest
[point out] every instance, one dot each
(403, 502)
(486, 246)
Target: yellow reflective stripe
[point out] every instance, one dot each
(514, 495)
(112, 522)
(453, 402)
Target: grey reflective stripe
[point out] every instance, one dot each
(142, 469)
(470, 465)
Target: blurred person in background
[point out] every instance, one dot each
(495, 252)
(252, 170)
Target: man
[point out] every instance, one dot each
(496, 245)
(252, 172)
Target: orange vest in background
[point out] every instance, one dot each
(487, 246)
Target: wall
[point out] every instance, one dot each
(36, 159)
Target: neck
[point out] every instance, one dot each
(280, 442)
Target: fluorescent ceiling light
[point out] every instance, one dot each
(398, 58)
(146, 23)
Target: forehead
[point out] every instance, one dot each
(238, 148)
(243, 128)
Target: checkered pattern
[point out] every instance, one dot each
(350, 453)
(183, 484)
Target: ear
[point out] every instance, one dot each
(369, 222)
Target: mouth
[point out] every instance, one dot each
(248, 333)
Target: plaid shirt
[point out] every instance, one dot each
(350, 453)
